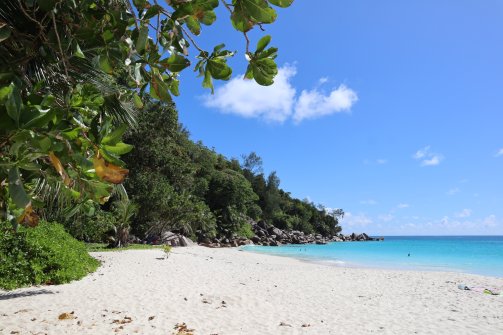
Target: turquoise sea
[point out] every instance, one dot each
(469, 254)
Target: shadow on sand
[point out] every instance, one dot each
(14, 295)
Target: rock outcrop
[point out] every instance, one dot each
(269, 235)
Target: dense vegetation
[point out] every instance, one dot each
(182, 185)
(73, 75)
(45, 254)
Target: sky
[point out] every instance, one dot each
(390, 110)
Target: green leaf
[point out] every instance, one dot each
(281, 3)
(45, 144)
(5, 92)
(16, 189)
(249, 72)
(4, 32)
(262, 43)
(258, 10)
(264, 71)
(174, 87)
(105, 64)
(14, 103)
(119, 148)
(37, 119)
(193, 25)
(115, 136)
(137, 101)
(159, 89)
(141, 42)
(219, 69)
(107, 35)
(241, 22)
(152, 11)
(208, 17)
(176, 62)
(208, 82)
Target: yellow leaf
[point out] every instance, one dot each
(109, 172)
(29, 217)
(59, 168)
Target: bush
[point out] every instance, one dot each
(46, 254)
(245, 231)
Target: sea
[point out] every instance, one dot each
(467, 254)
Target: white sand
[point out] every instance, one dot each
(230, 292)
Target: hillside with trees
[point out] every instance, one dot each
(184, 186)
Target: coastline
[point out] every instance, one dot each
(227, 291)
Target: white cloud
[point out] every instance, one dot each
(368, 202)
(314, 104)
(427, 157)
(490, 221)
(358, 220)
(464, 213)
(250, 100)
(280, 101)
(499, 153)
(381, 161)
(403, 206)
(453, 191)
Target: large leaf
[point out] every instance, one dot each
(13, 103)
(159, 89)
(241, 22)
(115, 136)
(56, 163)
(141, 42)
(258, 10)
(219, 69)
(176, 62)
(262, 43)
(109, 172)
(264, 71)
(5, 32)
(16, 189)
(119, 148)
(281, 3)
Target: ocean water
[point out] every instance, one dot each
(469, 254)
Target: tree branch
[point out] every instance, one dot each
(130, 7)
(59, 43)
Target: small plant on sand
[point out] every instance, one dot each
(167, 250)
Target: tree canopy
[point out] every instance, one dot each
(74, 75)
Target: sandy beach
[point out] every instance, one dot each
(231, 292)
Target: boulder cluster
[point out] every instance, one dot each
(269, 235)
(265, 234)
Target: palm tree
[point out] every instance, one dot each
(124, 211)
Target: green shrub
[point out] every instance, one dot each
(46, 254)
(245, 231)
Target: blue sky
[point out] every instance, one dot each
(391, 110)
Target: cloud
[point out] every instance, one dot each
(368, 202)
(381, 161)
(358, 220)
(280, 101)
(490, 221)
(464, 213)
(314, 104)
(427, 157)
(250, 100)
(499, 153)
(453, 191)
(403, 206)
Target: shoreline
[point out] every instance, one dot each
(339, 263)
(231, 292)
